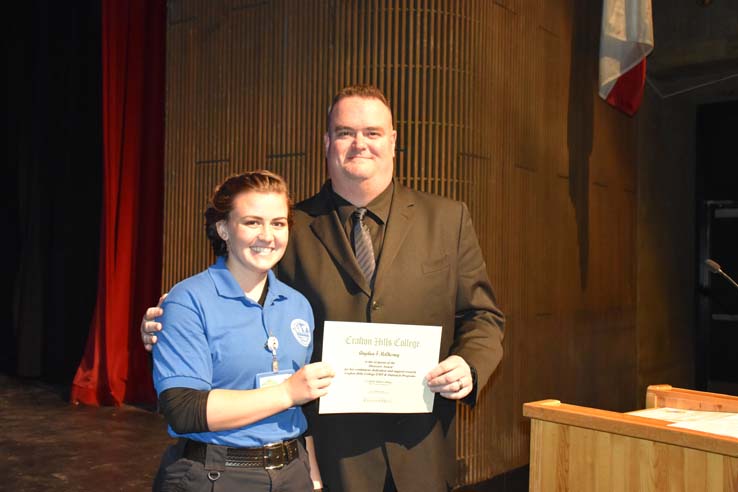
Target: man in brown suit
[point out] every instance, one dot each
(428, 270)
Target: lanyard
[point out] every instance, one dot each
(272, 344)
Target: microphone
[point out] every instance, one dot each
(714, 267)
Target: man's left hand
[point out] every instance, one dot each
(451, 378)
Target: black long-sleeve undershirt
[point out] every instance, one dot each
(185, 409)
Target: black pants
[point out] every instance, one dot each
(183, 475)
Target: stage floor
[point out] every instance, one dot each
(47, 444)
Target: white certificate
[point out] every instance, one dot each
(380, 368)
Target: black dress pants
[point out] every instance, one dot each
(184, 475)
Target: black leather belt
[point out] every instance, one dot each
(270, 457)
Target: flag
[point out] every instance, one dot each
(625, 42)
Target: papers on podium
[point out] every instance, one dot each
(722, 423)
(380, 368)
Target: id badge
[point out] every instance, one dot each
(267, 379)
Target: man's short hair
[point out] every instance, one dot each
(359, 90)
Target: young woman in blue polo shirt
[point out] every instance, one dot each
(232, 367)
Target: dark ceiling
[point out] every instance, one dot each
(695, 48)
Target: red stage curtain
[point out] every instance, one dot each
(115, 367)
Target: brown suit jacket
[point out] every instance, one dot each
(430, 272)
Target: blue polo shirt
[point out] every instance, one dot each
(215, 337)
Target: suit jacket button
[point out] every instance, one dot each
(376, 306)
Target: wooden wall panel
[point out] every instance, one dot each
(494, 104)
(666, 242)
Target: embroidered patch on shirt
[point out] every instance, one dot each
(301, 331)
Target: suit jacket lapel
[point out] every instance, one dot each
(398, 225)
(328, 228)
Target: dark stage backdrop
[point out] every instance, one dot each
(86, 149)
(52, 186)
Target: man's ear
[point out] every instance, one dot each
(326, 142)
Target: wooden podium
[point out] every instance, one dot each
(582, 449)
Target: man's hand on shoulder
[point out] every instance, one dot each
(149, 327)
(452, 378)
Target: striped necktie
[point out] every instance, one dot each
(363, 248)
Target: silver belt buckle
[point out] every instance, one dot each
(274, 445)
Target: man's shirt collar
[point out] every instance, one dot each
(379, 208)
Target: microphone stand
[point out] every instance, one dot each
(714, 267)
